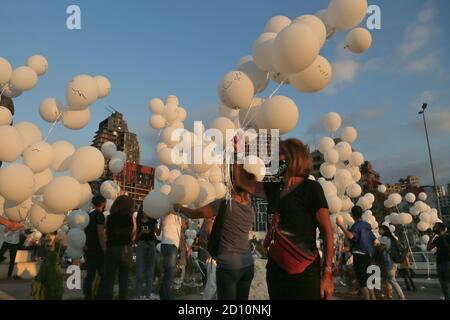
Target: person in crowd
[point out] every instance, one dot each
(302, 208)
(346, 265)
(235, 267)
(387, 238)
(203, 254)
(440, 240)
(405, 272)
(120, 234)
(11, 243)
(362, 247)
(170, 245)
(147, 229)
(95, 244)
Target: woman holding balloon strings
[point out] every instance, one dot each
(120, 234)
(302, 208)
(235, 269)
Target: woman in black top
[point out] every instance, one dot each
(303, 208)
(441, 241)
(120, 234)
(146, 252)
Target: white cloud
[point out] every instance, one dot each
(425, 63)
(416, 38)
(344, 71)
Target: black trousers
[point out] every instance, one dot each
(360, 264)
(94, 263)
(117, 260)
(283, 286)
(12, 248)
(234, 284)
(406, 274)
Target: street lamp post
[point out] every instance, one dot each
(422, 112)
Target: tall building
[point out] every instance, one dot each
(135, 180)
(410, 183)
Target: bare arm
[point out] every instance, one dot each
(133, 232)
(326, 231)
(347, 233)
(201, 213)
(253, 187)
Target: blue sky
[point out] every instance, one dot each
(155, 48)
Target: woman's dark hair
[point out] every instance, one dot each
(123, 205)
(357, 212)
(439, 227)
(387, 232)
(298, 157)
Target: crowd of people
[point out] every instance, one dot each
(297, 269)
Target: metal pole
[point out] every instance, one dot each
(432, 166)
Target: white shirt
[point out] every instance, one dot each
(171, 230)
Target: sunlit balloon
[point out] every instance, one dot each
(358, 40)
(16, 182)
(30, 133)
(62, 194)
(6, 116)
(81, 92)
(262, 51)
(38, 156)
(314, 78)
(23, 78)
(62, 151)
(38, 63)
(346, 14)
(76, 119)
(280, 112)
(236, 90)
(11, 143)
(103, 86)
(87, 164)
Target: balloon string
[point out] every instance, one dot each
(53, 126)
(3, 90)
(244, 122)
(277, 88)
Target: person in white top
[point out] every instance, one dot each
(11, 243)
(171, 226)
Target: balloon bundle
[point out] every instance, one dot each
(30, 193)
(117, 159)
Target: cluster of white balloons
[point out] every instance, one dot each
(77, 221)
(190, 235)
(23, 78)
(81, 92)
(117, 159)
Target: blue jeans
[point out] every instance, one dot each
(169, 256)
(234, 284)
(145, 261)
(443, 270)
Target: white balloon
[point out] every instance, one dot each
(332, 121)
(425, 239)
(395, 199)
(347, 204)
(325, 144)
(206, 195)
(358, 40)
(10, 92)
(87, 164)
(50, 109)
(327, 170)
(224, 125)
(41, 179)
(316, 24)
(108, 148)
(23, 79)
(329, 189)
(76, 238)
(331, 156)
(157, 121)
(262, 51)
(410, 197)
(423, 196)
(349, 134)
(343, 178)
(363, 203)
(346, 14)
(43, 220)
(165, 189)
(165, 156)
(314, 78)
(382, 188)
(170, 112)
(85, 195)
(38, 156)
(334, 204)
(425, 217)
(38, 63)
(78, 219)
(76, 119)
(255, 166)
(185, 190)
(30, 133)
(259, 77)
(157, 205)
(215, 175)
(162, 173)
(11, 143)
(103, 86)
(295, 48)
(370, 197)
(81, 92)
(109, 189)
(231, 114)
(277, 23)
(116, 165)
(345, 150)
(172, 99)
(62, 151)
(405, 218)
(120, 155)
(354, 190)
(5, 70)
(173, 175)
(323, 16)
(62, 194)
(73, 253)
(17, 212)
(16, 182)
(414, 211)
(423, 226)
(156, 106)
(220, 190)
(182, 114)
(281, 113)
(160, 146)
(356, 159)
(236, 90)
(6, 116)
